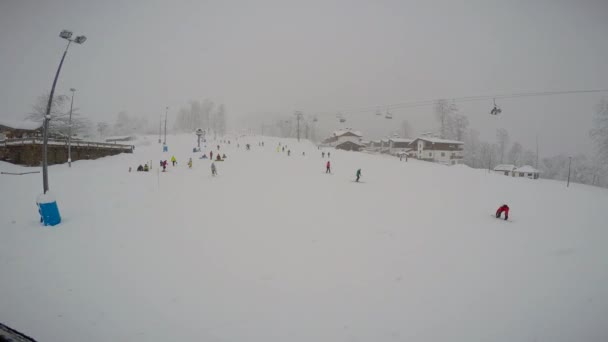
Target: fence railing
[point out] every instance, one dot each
(64, 142)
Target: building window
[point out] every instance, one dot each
(529, 175)
(443, 154)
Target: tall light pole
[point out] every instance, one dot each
(166, 111)
(298, 115)
(70, 130)
(569, 164)
(160, 128)
(67, 35)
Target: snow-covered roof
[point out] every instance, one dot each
(342, 132)
(504, 167)
(401, 140)
(527, 169)
(24, 125)
(440, 141)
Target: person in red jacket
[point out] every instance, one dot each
(328, 167)
(504, 208)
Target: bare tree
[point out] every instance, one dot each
(502, 139)
(60, 115)
(443, 112)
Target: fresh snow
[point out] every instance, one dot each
(24, 125)
(273, 249)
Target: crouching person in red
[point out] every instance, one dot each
(504, 208)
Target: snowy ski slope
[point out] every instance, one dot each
(273, 249)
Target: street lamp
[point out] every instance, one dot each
(70, 130)
(47, 205)
(67, 35)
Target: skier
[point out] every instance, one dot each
(328, 167)
(283, 148)
(210, 155)
(322, 154)
(504, 208)
(327, 154)
(213, 170)
(303, 153)
(358, 175)
(288, 153)
(218, 147)
(190, 163)
(173, 160)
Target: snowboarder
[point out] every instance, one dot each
(358, 175)
(224, 156)
(190, 163)
(218, 158)
(140, 168)
(504, 208)
(322, 154)
(146, 167)
(173, 160)
(213, 170)
(328, 167)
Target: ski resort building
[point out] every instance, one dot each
(505, 169)
(526, 171)
(23, 129)
(398, 146)
(341, 136)
(350, 146)
(513, 171)
(448, 152)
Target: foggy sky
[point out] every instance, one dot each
(316, 56)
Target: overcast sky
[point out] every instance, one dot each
(316, 56)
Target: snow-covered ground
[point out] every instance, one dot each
(274, 249)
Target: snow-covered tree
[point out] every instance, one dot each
(458, 125)
(60, 115)
(405, 129)
(502, 141)
(515, 153)
(599, 133)
(102, 128)
(443, 113)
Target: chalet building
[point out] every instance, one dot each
(23, 129)
(526, 171)
(448, 152)
(505, 169)
(341, 136)
(350, 146)
(398, 146)
(513, 171)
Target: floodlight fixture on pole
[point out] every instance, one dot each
(67, 35)
(70, 130)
